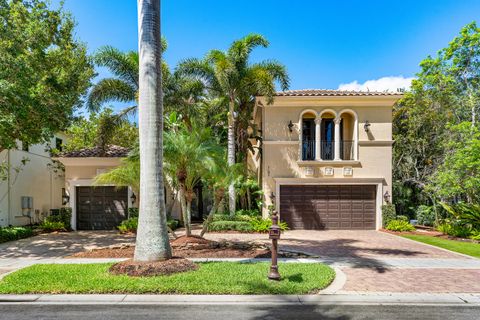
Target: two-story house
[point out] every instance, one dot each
(326, 157)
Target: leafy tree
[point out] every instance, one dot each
(458, 177)
(445, 93)
(44, 71)
(98, 130)
(230, 76)
(152, 243)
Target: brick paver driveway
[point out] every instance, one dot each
(371, 261)
(378, 262)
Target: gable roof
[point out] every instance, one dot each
(110, 151)
(330, 93)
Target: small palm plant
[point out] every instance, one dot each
(187, 155)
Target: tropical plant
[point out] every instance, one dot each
(187, 156)
(399, 225)
(126, 174)
(44, 71)
(466, 213)
(426, 215)
(152, 241)
(230, 76)
(388, 213)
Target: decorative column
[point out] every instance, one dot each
(337, 138)
(355, 140)
(317, 139)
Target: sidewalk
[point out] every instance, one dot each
(342, 299)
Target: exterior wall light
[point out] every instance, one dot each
(290, 126)
(366, 126)
(65, 197)
(133, 198)
(386, 197)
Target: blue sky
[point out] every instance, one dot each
(323, 43)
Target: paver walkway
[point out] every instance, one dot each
(372, 261)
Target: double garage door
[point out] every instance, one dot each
(101, 208)
(317, 207)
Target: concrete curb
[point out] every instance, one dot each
(345, 299)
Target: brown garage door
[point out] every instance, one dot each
(101, 208)
(315, 207)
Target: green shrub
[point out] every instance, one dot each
(263, 225)
(14, 233)
(455, 228)
(465, 213)
(399, 225)
(250, 213)
(402, 217)
(132, 213)
(50, 226)
(64, 217)
(475, 235)
(129, 225)
(425, 215)
(388, 213)
(172, 223)
(242, 226)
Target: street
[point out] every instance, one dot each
(236, 311)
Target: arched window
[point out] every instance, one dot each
(308, 142)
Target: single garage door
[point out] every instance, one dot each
(316, 207)
(101, 208)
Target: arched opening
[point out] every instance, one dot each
(348, 135)
(308, 136)
(327, 136)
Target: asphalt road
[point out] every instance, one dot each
(234, 312)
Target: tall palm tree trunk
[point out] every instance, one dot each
(185, 211)
(217, 203)
(152, 236)
(231, 154)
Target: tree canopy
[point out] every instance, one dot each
(44, 71)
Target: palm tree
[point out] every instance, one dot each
(232, 77)
(218, 177)
(188, 154)
(126, 174)
(152, 242)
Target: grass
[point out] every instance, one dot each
(210, 278)
(468, 248)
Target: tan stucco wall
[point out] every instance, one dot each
(36, 179)
(281, 148)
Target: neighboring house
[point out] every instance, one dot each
(326, 157)
(33, 185)
(100, 207)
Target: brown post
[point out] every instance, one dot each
(274, 234)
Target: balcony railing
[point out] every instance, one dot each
(327, 149)
(308, 150)
(346, 150)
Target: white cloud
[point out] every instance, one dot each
(383, 84)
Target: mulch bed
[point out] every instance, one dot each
(189, 247)
(150, 269)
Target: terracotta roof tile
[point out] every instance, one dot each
(111, 151)
(329, 92)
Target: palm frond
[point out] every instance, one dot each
(122, 65)
(277, 70)
(240, 49)
(110, 90)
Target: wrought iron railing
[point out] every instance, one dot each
(327, 149)
(308, 150)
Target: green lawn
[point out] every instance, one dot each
(210, 278)
(468, 248)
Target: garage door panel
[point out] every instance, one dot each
(101, 208)
(328, 207)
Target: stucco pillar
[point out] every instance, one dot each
(355, 140)
(337, 138)
(317, 139)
